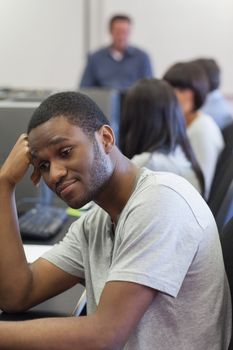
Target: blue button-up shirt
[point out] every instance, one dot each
(218, 108)
(102, 70)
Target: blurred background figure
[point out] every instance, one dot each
(191, 86)
(215, 105)
(153, 131)
(118, 65)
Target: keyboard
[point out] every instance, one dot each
(41, 222)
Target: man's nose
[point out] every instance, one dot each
(57, 171)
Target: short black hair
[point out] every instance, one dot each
(78, 108)
(119, 17)
(189, 75)
(212, 71)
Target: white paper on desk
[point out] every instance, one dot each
(34, 251)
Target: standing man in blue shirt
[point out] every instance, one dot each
(117, 65)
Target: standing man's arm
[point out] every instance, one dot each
(88, 77)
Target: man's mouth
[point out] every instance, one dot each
(64, 187)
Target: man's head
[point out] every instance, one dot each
(70, 142)
(212, 71)
(78, 108)
(119, 27)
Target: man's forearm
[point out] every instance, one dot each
(52, 334)
(14, 271)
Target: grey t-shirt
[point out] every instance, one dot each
(166, 238)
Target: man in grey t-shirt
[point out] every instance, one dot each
(148, 252)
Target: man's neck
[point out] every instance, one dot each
(117, 55)
(119, 188)
(119, 50)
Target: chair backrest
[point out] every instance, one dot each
(227, 133)
(224, 172)
(225, 212)
(226, 238)
(221, 198)
(80, 308)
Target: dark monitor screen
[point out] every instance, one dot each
(14, 117)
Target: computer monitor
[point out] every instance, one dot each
(14, 118)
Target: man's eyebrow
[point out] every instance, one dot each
(55, 141)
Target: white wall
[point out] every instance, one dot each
(43, 41)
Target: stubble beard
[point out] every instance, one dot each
(100, 173)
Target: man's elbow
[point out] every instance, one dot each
(15, 299)
(13, 304)
(107, 344)
(105, 336)
(111, 340)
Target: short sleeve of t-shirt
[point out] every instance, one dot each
(68, 253)
(156, 240)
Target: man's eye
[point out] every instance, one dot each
(43, 166)
(65, 151)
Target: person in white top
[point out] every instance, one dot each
(153, 131)
(191, 86)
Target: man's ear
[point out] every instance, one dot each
(106, 137)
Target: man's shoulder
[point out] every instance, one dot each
(105, 51)
(157, 182)
(134, 50)
(171, 193)
(167, 185)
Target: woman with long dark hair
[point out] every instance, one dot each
(153, 131)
